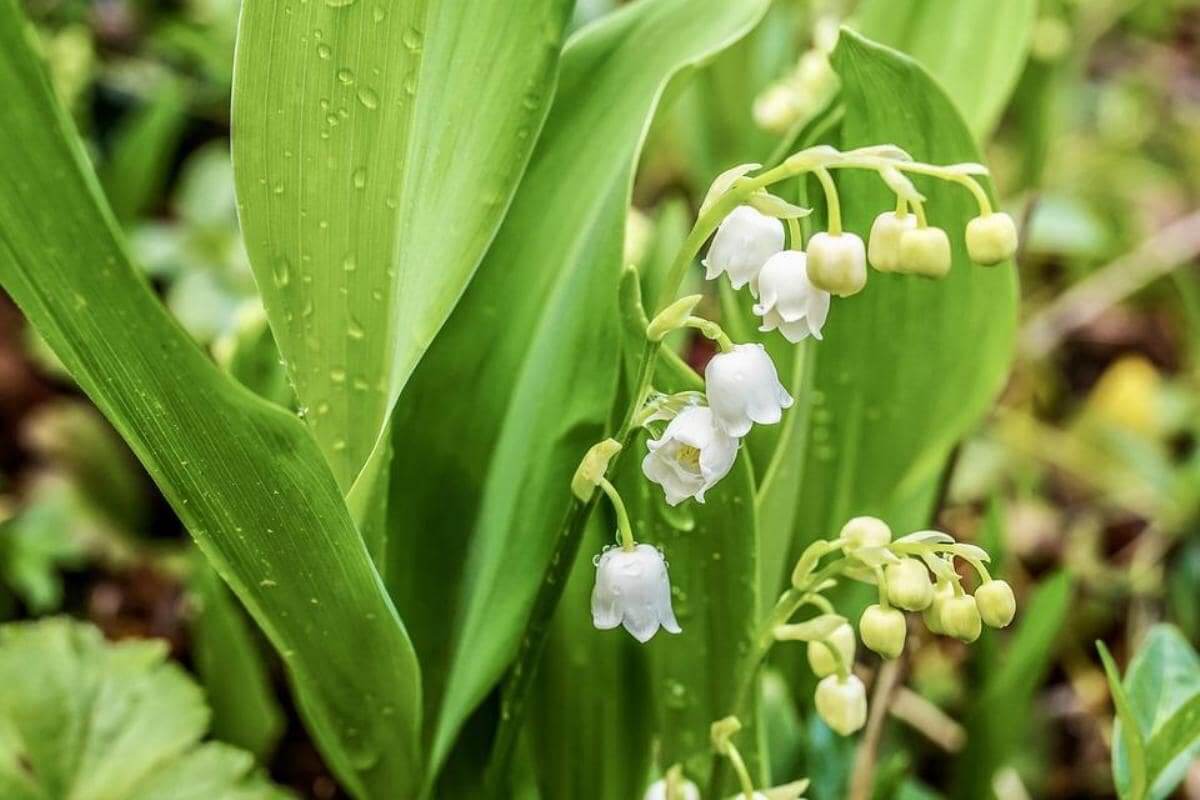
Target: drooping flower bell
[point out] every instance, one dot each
(908, 585)
(683, 790)
(883, 245)
(996, 602)
(960, 618)
(692, 455)
(633, 589)
(743, 243)
(842, 703)
(883, 630)
(837, 263)
(822, 661)
(991, 238)
(865, 532)
(787, 298)
(924, 251)
(743, 388)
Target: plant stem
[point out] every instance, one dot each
(515, 695)
(789, 602)
(866, 757)
(626, 530)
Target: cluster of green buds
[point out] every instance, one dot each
(915, 573)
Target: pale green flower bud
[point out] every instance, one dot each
(924, 251)
(865, 532)
(960, 618)
(997, 605)
(822, 661)
(933, 614)
(837, 263)
(908, 585)
(883, 246)
(991, 239)
(842, 703)
(883, 630)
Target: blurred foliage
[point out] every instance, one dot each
(86, 719)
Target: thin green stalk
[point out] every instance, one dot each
(514, 698)
(789, 603)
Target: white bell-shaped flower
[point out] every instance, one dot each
(684, 790)
(743, 243)
(787, 300)
(692, 455)
(743, 388)
(633, 589)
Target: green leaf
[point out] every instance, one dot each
(712, 552)
(229, 660)
(537, 332)
(1008, 692)
(1129, 770)
(84, 719)
(1162, 684)
(974, 48)
(245, 477)
(376, 148)
(908, 365)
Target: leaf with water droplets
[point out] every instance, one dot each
(395, 136)
(537, 328)
(244, 475)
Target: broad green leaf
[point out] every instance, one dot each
(245, 477)
(377, 146)
(712, 553)
(231, 665)
(84, 719)
(1162, 684)
(908, 365)
(588, 723)
(974, 48)
(1010, 686)
(520, 381)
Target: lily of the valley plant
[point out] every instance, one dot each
(758, 246)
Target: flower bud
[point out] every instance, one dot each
(991, 238)
(933, 614)
(865, 532)
(960, 618)
(837, 263)
(682, 789)
(842, 703)
(883, 630)
(883, 246)
(996, 603)
(822, 661)
(924, 251)
(908, 585)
